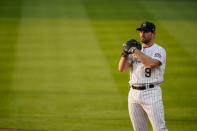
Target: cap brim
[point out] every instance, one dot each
(139, 29)
(144, 29)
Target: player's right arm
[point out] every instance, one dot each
(124, 64)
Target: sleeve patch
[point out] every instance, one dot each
(157, 55)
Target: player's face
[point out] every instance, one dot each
(146, 37)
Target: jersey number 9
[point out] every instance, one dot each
(148, 72)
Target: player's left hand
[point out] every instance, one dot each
(131, 44)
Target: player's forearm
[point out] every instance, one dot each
(146, 60)
(123, 64)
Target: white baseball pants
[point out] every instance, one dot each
(144, 104)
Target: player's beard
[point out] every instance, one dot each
(146, 40)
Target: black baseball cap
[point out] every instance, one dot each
(147, 26)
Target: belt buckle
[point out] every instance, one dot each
(147, 86)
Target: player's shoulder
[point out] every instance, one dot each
(157, 47)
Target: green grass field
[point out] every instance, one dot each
(59, 62)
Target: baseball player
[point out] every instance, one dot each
(147, 66)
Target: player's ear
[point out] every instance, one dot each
(154, 33)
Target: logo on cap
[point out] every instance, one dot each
(144, 24)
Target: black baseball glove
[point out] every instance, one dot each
(129, 45)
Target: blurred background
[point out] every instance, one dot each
(59, 62)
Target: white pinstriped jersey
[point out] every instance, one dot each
(139, 74)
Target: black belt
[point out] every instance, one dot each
(142, 87)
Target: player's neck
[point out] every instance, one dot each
(148, 44)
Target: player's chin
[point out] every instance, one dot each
(145, 41)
